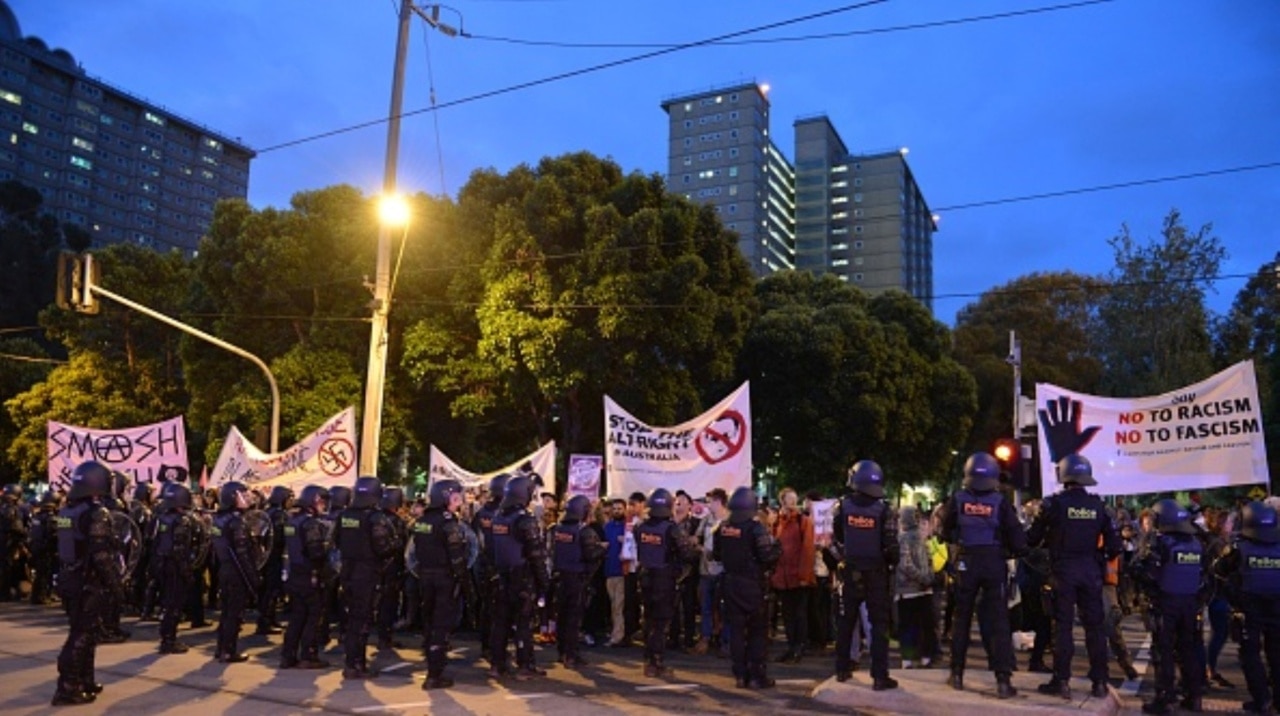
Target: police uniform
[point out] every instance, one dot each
(865, 538)
(273, 569)
(367, 541)
(439, 546)
(482, 526)
(576, 554)
(175, 553)
(1075, 528)
(44, 549)
(238, 576)
(748, 552)
(520, 569)
(89, 577)
(306, 549)
(1251, 569)
(662, 550)
(985, 528)
(13, 538)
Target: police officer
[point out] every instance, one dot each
(984, 526)
(142, 512)
(662, 551)
(306, 545)
(110, 631)
(13, 541)
(439, 547)
(334, 609)
(1171, 570)
(576, 552)
(482, 526)
(44, 548)
(176, 551)
(89, 576)
(1075, 528)
(748, 552)
(520, 568)
(865, 539)
(1251, 570)
(367, 541)
(238, 577)
(392, 586)
(278, 503)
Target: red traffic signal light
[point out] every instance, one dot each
(1007, 451)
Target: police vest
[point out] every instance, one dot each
(224, 525)
(44, 532)
(1078, 524)
(71, 538)
(734, 540)
(1182, 566)
(508, 553)
(978, 518)
(863, 525)
(567, 549)
(652, 543)
(295, 544)
(353, 536)
(278, 518)
(430, 540)
(165, 528)
(1259, 568)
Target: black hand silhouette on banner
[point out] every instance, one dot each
(1061, 425)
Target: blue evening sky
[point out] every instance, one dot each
(1100, 94)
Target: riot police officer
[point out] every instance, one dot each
(177, 544)
(392, 585)
(306, 544)
(520, 579)
(334, 609)
(238, 576)
(109, 630)
(482, 526)
(576, 552)
(662, 552)
(44, 548)
(278, 503)
(1075, 528)
(88, 578)
(865, 538)
(984, 526)
(1251, 570)
(440, 551)
(141, 511)
(1171, 571)
(13, 541)
(748, 552)
(367, 541)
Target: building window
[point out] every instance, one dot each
(688, 106)
(153, 118)
(81, 162)
(857, 181)
(857, 229)
(688, 161)
(688, 141)
(688, 123)
(733, 152)
(733, 208)
(82, 144)
(839, 168)
(857, 197)
(857, 277)
(733, 171)
(30, 128)
(686, 178)
(733, 190)
(857, 244)
(857, 213)
(11, 97)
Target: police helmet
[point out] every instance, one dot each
(392, 498)
(233, 496)
(1258, 523)
(865, 476)
(120, 484)
(1171, 517)
(142, 493)
(518, 493)
(743, 503)
(89, 479)
(13, 492)
(339, 498)
(981, 472)
(577, 508)
(176, 496)
(280, 496)
(442, 491)
(660, 501)
(1075, 470)
(367, 493)
(498, 487)
(49, 499)
(311, 497)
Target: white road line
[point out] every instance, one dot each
(512, 697)
(796, 682)
(668, 687)
(397, 667)
(390, 707)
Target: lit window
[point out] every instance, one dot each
(839, 199)
(840, 262)
(733, 190)
(839, 184)
(82, 143)
(30, 128)
(733, 171)
(10, 97)
(81, 162)
(153, 118)
(688, 106)
(688, 161)
(839, 168)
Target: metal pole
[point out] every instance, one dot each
(275, 390)
(371, 420)
(1015, 360)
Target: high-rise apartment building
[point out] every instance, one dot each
(859, 216)
(720, 153)
(116, 165)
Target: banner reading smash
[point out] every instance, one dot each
(541, 461)
(712, 450)
(325, 457)
(1205, 435)
(147, 453)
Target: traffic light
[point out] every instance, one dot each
(1009, 454)
(76, 274)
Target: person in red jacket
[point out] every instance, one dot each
(793, 578)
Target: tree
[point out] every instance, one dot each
(1154, 325)
(586, 280)
(23, 363)
(29, 243)
(1055, 316)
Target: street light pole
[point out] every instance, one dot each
(375, 380)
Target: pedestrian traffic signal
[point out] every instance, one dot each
(1013, 467)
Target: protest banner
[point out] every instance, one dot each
(584, 476)
(542, 461)
(325, 457)
(823, 512)
(1205, 435)
(147, 453)
(712, 450)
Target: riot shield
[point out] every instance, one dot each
(258, 525)
(129, 538)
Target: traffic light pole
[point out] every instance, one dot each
(1015, 360)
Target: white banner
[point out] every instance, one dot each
(1205, 435)
(823, 513)
(325, 457)
(147, 453)
(541, 461)
(584, 476)
(712, 450)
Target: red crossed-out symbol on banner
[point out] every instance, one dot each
(337, 455)
(723, 438)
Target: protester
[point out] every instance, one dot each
(793, 577)
(913, 592)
